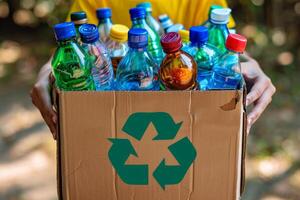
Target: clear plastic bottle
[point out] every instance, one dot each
(151, 21)
(206, 56)
(78, 18)
(168, 25)
(207, 23)
(138, 18)
(218, 31)
(227, 72)
(117, 44)
(105, 23)
(71, 65)
(137, 71)
(178, 70)
(102, 70)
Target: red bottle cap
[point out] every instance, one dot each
(171, 42)
(236, 43)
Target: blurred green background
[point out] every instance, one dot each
(27, 150)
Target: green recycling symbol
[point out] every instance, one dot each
(135, 126)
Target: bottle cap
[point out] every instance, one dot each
(165, 21)
(220, 16)
(176, 28)
(213, 7)
(185, 35)
(137, 13)
(171, 42)
(89, 33)
(64, 31)
(119, 33)
(146, 5)
(163, 18)
(137, 38)
(193, 35)
(79, 18)
(103, 13)
(199, 34)
(236, 43)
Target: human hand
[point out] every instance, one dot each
(41, 99)
(260, 87)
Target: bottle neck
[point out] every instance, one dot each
(105, 21)
(66, 41)
(141, 49)
(137, 21)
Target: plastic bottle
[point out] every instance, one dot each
(102, 70)
(79, 18)
(168, 25)
(185, 36)
(105, 23)
(206, 56)
(192, 46)
(212, 7)
(117, 44)
(227, 72)
(218, 31)
(178, 70)
(151, 21)
(71, 65)
(138, 18)
(137, 71)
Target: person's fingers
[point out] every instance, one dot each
(257, 90)
(260, 105)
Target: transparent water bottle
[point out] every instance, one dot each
(227, 72)
(102, 70)
(151, 21)
(168, 25)
(218, 31)
(117, 44)
(138, 18)
(137, 71)
(79, 18)
(178, 70)
(71, 65)
(105, 23)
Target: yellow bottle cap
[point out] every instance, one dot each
(119, 33)
(185, 35)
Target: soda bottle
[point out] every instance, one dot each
(168, 25)
(71, 65)
(151, 21)
(185, 36)
(117, 44)
(137, 71)
(212, 7)
(206, 56)
(102, 70)
(105, 23)
(178, 70)
(227, 72)
(78, 18)
(138, 18)
(218, 31)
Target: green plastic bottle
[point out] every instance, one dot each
(138, 18)
(218, 30)
(71, 65)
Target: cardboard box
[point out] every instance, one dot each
(151, 145)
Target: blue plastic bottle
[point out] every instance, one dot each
(105, 23)
(218, 31)
(206, 55)
(137, 71)
(102, 70)
(138, 18)
(227, 72)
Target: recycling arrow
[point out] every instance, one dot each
(164, 124)
(118, 155)
(185, 154)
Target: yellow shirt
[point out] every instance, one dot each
(186, 12)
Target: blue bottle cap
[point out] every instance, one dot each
(146, 5)
(198, 34)
(76, 16)
(137, 13)
(89, 33)
(103, 13)
(163, 18)
(64, 31)
(137, 38)
(193, 34)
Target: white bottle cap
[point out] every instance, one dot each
(220, 16)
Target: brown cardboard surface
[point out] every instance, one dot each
(213, 121)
